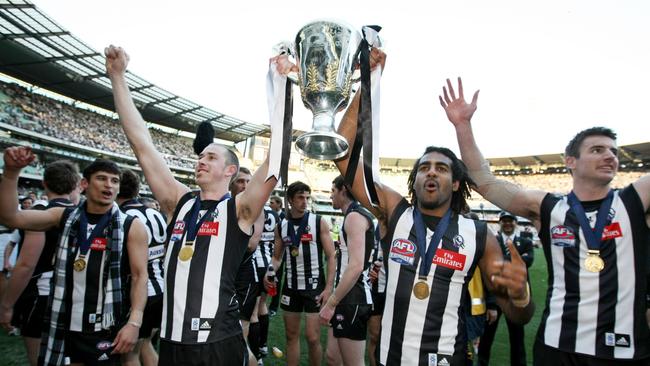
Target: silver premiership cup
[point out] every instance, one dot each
(326, 54)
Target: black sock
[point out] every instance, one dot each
(264, 329)
(254, 339)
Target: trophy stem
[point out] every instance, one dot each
(323, 121)
(322, 143)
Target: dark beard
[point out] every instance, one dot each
(432, 205)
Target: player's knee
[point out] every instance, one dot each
(332, 358)
(292, 334)
(313, 339)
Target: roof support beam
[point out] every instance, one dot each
(27, 35)
(185, 111)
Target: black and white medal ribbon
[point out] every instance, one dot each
(367, 136)
(280, 104)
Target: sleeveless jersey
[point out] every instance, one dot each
(199, 301)
(598, 314)
(360, 293)
(431, 330)
(305, 270)
(154, 223)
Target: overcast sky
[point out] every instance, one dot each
(545, 69)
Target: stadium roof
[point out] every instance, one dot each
(35, 49)
(628, 154)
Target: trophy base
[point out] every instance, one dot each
(322, 145)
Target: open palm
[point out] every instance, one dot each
(457, 109)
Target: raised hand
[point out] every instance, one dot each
(284, 66)
(116, 60)
(377, 58)
(513, 275)
(457, 109)
(18, 157)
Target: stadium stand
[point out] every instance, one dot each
(39, 114)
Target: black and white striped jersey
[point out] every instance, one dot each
(88, 286)
(264, 251)
(360, 293)
(378, 286)
(600, 314)
(429, 331)
(42, 276)
(303, 271)
(156, 228)
(199, 301)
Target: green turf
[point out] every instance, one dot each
(12, 351)
(538, 282)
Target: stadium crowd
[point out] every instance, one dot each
(40, 114)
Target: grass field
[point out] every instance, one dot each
(12, 351)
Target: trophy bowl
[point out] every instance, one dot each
(326, 54)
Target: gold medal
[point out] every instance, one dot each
(421, 290)
(79, 265)
(295, 252)
(186, 252)
(594, 263)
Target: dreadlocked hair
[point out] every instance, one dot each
(458, 174)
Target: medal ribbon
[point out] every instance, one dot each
(84, 241)
(592, 236)
(365, 136)
(426, 258)
(295, 236)
(192, 225)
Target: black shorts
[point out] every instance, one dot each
(544, 355)
(152, 316)
(91, 348)
(247, 298)
(298, 301)
(261, 272)
(29, 312)
(229, 351)
(378, 303)
(351, 321)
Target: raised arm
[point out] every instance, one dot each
(165, 188)
(504, 194)
(388, 198)
(251, 201)
(16, 158)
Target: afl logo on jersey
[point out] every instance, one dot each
(563, 236)
(402, 251)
